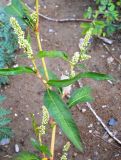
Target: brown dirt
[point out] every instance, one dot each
(24, 94)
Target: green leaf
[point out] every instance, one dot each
(41, 148)
(4, 121)
(92, 75)
(98, 27)
(85, 27)
(4, 112)
(16, 71)
(52, 54)
(88, 13)
(19, 10)
(26, 156)
(60, 112)
(110, 28)
(80, 95)
(2, 98)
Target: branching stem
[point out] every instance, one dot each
(46, 74)
(38, 40)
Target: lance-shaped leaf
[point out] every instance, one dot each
(18, 9)
(80, 95)
(16, 71)
(40, 147)
(60, 112)
(92, 75)
(52, 54)
(26, 156)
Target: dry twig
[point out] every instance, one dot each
(61, 20)
(101, 121)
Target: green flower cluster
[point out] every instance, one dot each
(45, 120)
(75, 58)
(84, 45)
(34, 17)
(23, 43)
(65, 150)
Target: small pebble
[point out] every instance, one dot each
(103, 56)
(90, 131)
(17, 148)
(27, 106)
(16, 65)
(90, 126)
(60, 133)
(5, 87)
(83, 110)
(27, 119)
(51, 31)
(56, 6)
(96, 153)
(16, 115)
(110, 140)
(59, 154)
(75, 154)
(104, 106)
(110, 60)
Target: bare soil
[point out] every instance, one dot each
(25, 92)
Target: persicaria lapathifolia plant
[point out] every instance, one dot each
(54, 99)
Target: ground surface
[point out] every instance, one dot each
(24, 94)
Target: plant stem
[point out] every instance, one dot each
(46, 74)
(37, 71)
(53, 141)
(38, 39)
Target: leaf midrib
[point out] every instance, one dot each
(59, 110)
(77, 100)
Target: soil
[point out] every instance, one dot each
(25, 92)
